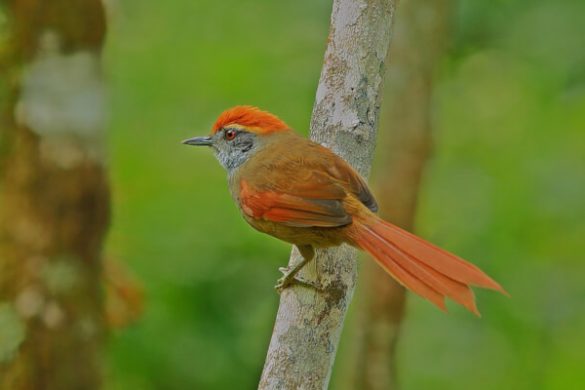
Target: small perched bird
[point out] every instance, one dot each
(301, 192)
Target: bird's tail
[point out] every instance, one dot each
(421, 266)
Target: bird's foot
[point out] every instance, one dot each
(290, 279)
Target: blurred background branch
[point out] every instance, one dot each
(403, 147)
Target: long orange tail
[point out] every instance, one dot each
(421, 266)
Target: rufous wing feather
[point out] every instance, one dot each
(356, 185)
(292, 210)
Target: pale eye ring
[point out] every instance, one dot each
(230, 134)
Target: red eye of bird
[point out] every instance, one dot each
(230, 134)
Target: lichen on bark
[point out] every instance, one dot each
(53, 215)
(12, 331)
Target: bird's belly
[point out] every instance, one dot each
(318, 237)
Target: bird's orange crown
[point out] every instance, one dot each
(252, 118)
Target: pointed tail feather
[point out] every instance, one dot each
(421, 266)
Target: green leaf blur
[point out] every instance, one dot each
(505, 188)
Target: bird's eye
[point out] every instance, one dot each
(230, 134)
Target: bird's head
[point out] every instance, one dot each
(238, 133)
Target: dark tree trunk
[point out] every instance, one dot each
(54, 198)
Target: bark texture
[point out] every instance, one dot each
(54, 195)
(345, 117)
(404, 147)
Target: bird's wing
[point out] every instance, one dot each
(357, 186)
(309, 206)
(306, 186)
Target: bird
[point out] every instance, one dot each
(303, 193)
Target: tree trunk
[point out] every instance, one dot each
(345, 118)
(405, 145)
(53, 194)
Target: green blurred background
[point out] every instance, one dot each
(505, 187)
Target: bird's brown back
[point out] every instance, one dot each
(299, 191)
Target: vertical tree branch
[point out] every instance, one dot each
(345, 117)
(53, 194)
(404, 148)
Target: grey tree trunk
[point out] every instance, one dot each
(54, 195)
(404, 146)
(345, 118)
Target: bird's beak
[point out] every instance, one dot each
(198, 141)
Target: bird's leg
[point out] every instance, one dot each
(290, 277)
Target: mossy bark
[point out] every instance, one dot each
(54, 196)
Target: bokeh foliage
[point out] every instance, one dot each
(505, 188)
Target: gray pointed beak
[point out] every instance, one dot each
(198, 141)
